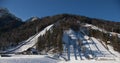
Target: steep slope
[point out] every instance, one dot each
(23, 46)
(79, 46)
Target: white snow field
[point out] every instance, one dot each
(45, 59)
(27, 59)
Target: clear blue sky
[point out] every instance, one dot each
(103, 9)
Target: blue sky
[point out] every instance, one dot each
(103, 9)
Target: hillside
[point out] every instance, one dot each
(62, 37)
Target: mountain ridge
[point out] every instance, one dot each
(27, 29)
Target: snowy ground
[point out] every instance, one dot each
(27, 59)
(45, 59)
(88, 61)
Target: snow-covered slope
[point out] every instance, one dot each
(95, 27)
(79, 46)
(28, 43)
(102, 30)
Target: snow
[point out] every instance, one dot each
(73, 37)
(28, 43)
(27, 59)
(102, 30)
(86, 37)
(114, 33)
(102, 50)
(33, 41)
(73, 50)
(119, 35)
(94, 48)
(117, 54)
(88, 61)
(95, 28)
(46, 59)
(71, 47)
